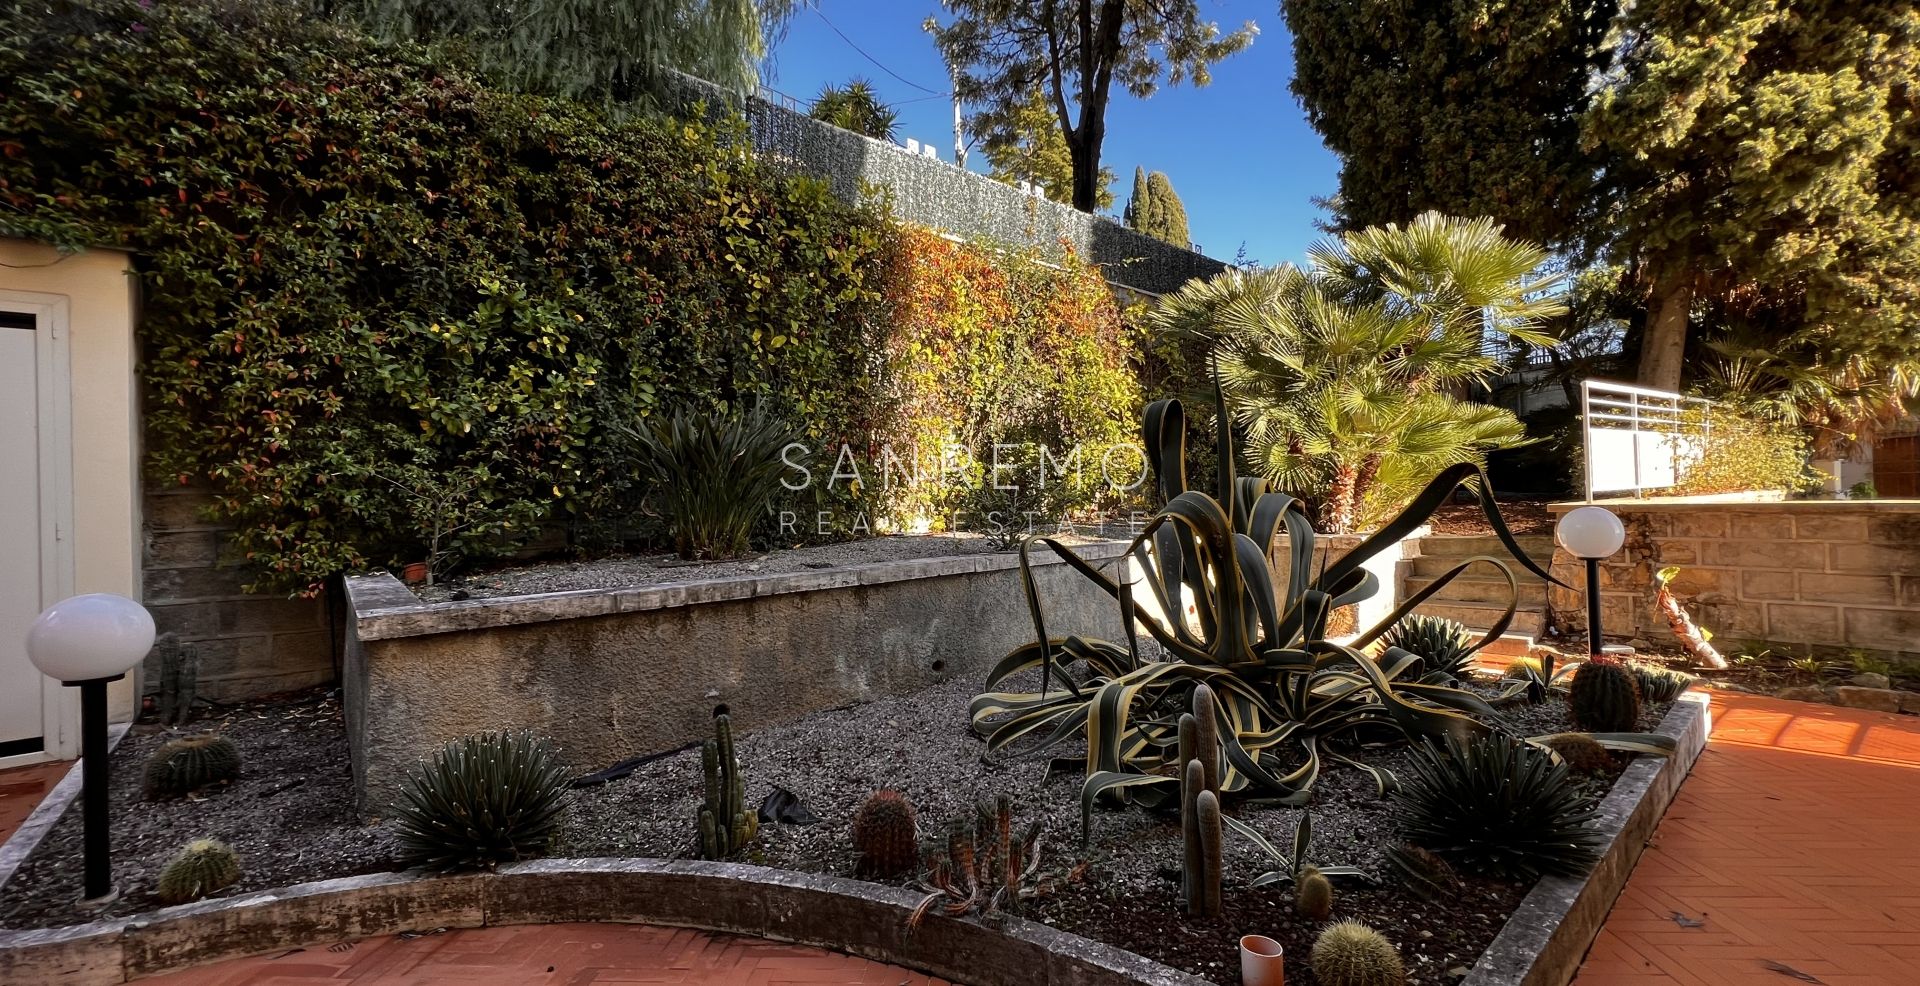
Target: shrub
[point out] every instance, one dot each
(714, 475)
(357, 254)
(188, 764)
(200, 868)
(1012, 498)
(1497, 805)
(489, 798)
(1739, 452)
(1351, 954)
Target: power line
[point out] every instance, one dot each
(875, 61)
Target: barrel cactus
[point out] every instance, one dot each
(886, 834)
(1582, 753)
(201, 867)
(485, 799)
(1313, 894)
(1605, 697)
(1351, 954)
(190, 763)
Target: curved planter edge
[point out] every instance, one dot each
(835, 913)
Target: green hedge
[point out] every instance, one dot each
(364, 271)
(358, 260)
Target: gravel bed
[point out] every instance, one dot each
(628, 571)
(289, 816)
(1129, 897)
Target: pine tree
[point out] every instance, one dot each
(1029, 147)
(1764, 155)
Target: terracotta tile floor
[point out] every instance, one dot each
(554, 955)
(1795, 845)
(21, 789)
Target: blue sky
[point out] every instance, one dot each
(1239, 152)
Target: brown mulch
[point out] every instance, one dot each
(1522, 517)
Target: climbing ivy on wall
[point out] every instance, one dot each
(363, 270)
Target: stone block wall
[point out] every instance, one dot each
(247, 644)
(1825, 576)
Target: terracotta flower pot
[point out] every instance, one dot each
(1262, 962)
(415, 572)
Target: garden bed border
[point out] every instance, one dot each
(1548, 935)
(1542, 943)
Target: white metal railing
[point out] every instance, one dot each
(1636, 439)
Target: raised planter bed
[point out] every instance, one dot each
(611, 673)
(1540, 944)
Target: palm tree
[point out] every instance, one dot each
(1346, 376)
(857, 108)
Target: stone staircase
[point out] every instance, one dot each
(1478, 596)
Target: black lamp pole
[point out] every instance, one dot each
(93, 781)
(1594, 646)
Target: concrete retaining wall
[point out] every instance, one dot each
(247, 645)
(1824, 575)
(612, 674)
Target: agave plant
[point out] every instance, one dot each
(1290, 866)
(1499, 805)
(1285, 692)
(713, 475)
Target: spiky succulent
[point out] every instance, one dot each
(1605, 697)
(1446, 644)
(1349, 953)
(190, 763)
(1581, 752)
(1313, 894)
(886, 834)
(1498, 805)
(1659, 684)
(201, 867)
(482, 800)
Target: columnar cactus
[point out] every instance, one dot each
(1351, 954)
(201, 867)
(726, 825)
(1605, 697)
(190, 763)
(886, 834)
(1199, 737)
(179, 677)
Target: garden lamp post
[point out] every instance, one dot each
(85, 642)
(1590, 534)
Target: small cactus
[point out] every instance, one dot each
(1658, 684)
(190, 763)
(1351, 954)
(1605, 697)
(1425, 873)
(1582, 753)
(201, 867)
(886, 835)
(726, 825)
(1313, 894)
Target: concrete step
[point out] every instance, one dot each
(1529, 592)
(1529, 623)
(1538, 546)
(1430, 566)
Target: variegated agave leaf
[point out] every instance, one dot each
(1283, 689)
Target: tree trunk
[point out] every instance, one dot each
(1664, 345)
(1340, 499)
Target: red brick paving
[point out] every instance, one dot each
(1795, 844)
(554, 955)
(21, 789)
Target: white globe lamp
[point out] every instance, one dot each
(1590, 534)
(87, 641)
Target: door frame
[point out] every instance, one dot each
(59, 706)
